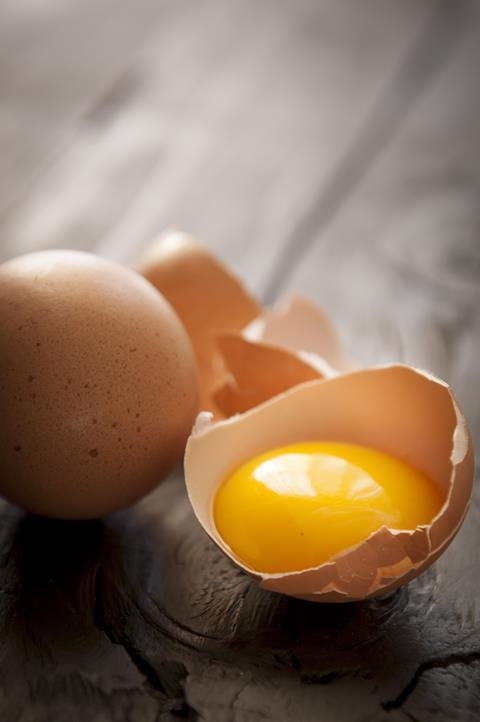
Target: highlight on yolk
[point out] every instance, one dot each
(298, 506)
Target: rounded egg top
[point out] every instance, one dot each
(98, 386)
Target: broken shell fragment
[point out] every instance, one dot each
(206, 296)
(300, 326)
(258, 372)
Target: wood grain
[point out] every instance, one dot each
(399, 268)
(327, 146)
(220, 123)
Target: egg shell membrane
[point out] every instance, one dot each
(258, 372)
(396, 409)
(205, 295)
(297, 324)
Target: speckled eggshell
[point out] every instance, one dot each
(207, 297)
(98, 386)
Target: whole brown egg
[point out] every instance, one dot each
(98, 386)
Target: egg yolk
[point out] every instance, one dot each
(300, 505)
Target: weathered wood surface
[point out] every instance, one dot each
(326, 146)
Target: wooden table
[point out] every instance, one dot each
(326, 146)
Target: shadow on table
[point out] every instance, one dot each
(150, 578)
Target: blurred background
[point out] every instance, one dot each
(331, 147)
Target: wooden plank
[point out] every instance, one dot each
(428, 54)
(404, 250)
(57, 59)
(222, 131)
(398, 268)
(230, 133)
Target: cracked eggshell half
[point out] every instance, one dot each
(205, 295)
(397, 409)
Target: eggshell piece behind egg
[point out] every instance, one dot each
(98, 385)
(206, 296)
(258, 372)
(299, 325)
(397, 409)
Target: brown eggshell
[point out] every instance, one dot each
(299, 325)
(98, 385)
(258, 372)
(206, 296)
(276, 351)
(397, 409)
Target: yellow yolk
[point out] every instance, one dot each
(300, 505)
